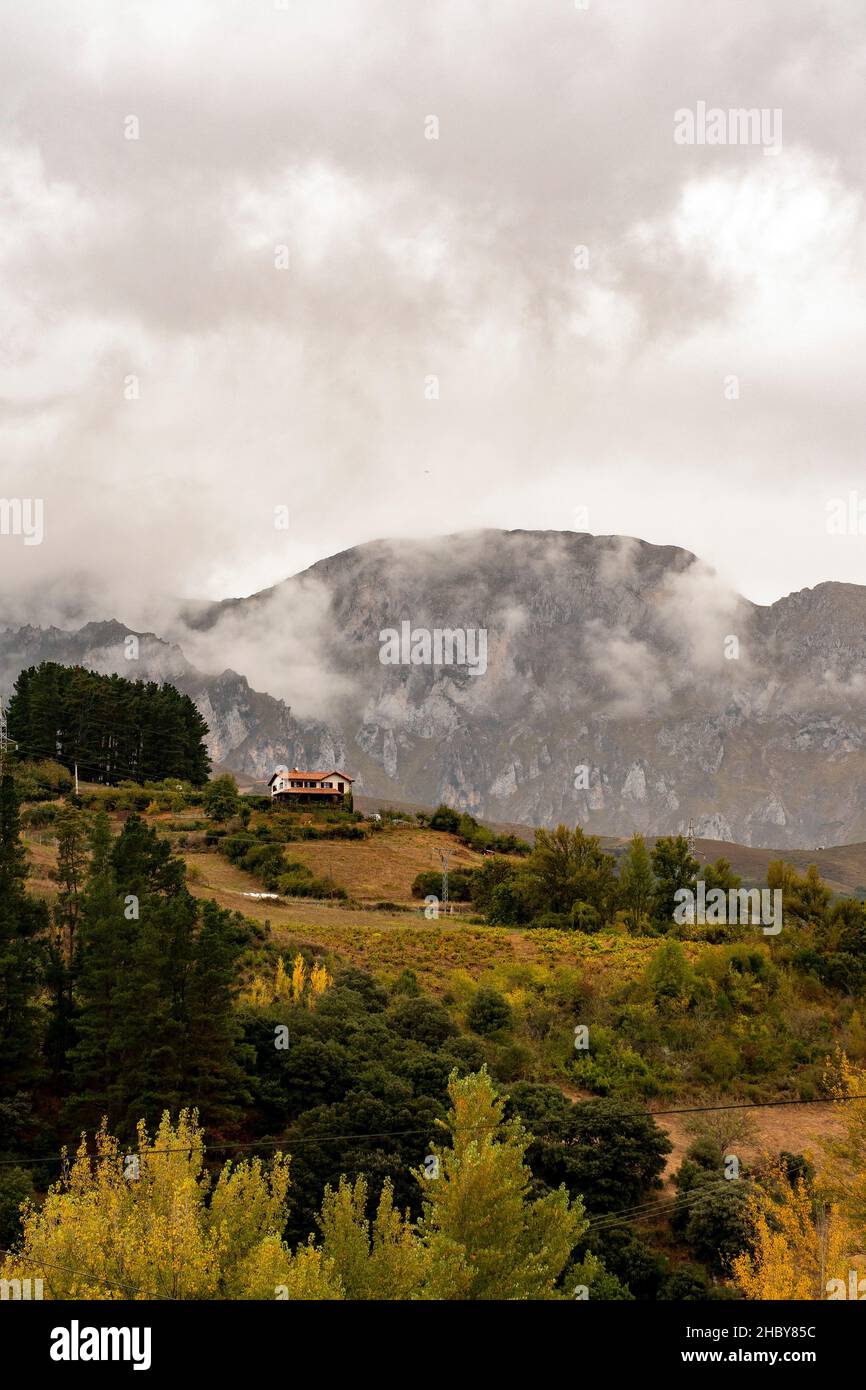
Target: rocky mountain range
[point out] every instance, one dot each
(625, 687)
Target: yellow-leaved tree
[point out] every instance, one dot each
(846, 1169)
(296, 988)
(151, 1225)
(483, 1236)
(800, 1240)
(139, 1226)
(378, 1259)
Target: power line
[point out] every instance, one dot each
(752, 1105)
(648, 1210)
(288, 1143)
(103, 1281)
(235, 1147)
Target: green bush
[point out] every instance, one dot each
(220, 798)
(301, 883)
(444, 818)
(38, 815)
(41, 779)
(510, 904)
(489, 1012)
(16, 1186)
(552, 921)
(584, 917)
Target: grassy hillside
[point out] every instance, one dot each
(551, 979)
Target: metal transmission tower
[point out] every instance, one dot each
(691, 838)
(4, 739)
(445, 856)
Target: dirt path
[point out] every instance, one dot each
(777, 1129)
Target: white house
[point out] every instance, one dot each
(292, 786)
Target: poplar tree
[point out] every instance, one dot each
(637, 884)
(484, 1236)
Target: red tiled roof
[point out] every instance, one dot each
(318, 776)
(310, 776)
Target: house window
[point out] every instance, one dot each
(339, 786)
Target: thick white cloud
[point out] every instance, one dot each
(559, 388)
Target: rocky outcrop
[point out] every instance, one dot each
(625, 687)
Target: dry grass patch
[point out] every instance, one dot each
(383, 867)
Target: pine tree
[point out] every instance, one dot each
(23, 928)
(157, 973)
(70, 834)
(105, 944)
(111, 727)
(148, 1036)
(213, 1076)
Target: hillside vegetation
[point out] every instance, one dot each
(294, 977)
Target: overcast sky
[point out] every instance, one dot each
(166, 384)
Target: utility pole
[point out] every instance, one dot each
(822, 1225)
(445, 856)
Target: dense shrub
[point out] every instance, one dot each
(489, 1012)
(300, 882)
(41, 780)
(267, 862)
(444, 818)
(38, 816)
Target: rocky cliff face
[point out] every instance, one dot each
(625, 687)
(249, 731)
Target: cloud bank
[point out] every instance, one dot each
(238, 316)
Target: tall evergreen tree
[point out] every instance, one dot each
(23, 929)
(104, 952)
(214, 1077)
(110, 727)
(156, 981)
(71, 835)
(70, 831)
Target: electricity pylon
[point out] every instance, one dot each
(4, 740)
(444, 856)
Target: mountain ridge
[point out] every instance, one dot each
(627, 687)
